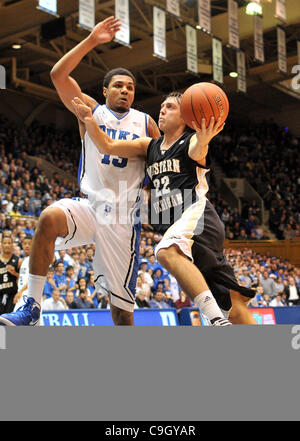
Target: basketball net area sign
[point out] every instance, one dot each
(2, 77)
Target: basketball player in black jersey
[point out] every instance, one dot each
(193, 242)
(9, 272)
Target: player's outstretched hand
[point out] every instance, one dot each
(83, 112)
(205, 134)
(104, 31)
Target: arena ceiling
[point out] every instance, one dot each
(28, 68)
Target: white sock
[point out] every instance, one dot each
(208, 305)
(36, 287)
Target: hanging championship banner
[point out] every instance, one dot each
(159, 33)
(217, 56)
(281, 10)
(122, 12)
(191, 49)
(281, 49)
(173, 7)
(204, 15)
(241, 70)
(259, 54)
(49, 6)
(87, 14)
(233, 24)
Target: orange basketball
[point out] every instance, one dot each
(204, 100)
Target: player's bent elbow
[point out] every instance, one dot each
(53, 73)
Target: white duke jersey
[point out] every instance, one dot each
(23, 274)
(111, 182)
(22, 281)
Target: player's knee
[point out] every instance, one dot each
(167, 256)
(238, 300)
(52, 223)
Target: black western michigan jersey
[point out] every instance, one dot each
(177, 181)
(8, 285)
(181, 212)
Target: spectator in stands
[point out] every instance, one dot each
(143, 285)
(75, 264)
(70, 282)
(61, 259)
(258, 300)
(49, 284)
(242, 235)
(152, 262)
(141, 300)
(292, 292)
(266, 300)
(84, 301)
(157, 301)
(15, 211)
(81, 284)
(60, 279)
(268, 284)
(89, 258)
(103, 300)
(279, 285)
(84, 267)
(247, 278)
(55, 302)
(143, 270)
(277, 301)
(265, 236)
(182, 302)
(158, 277)
(70, 300)
(94, 295)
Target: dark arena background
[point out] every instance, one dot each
(251, 50)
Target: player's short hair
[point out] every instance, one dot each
(117, 71)
(178, 96)
(175, 94)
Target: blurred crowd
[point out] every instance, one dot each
(268, 157)
(70, 279)
(265, 155)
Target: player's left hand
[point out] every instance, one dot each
(83, 112)
(11, 269)
(205, 134)
(104, 31)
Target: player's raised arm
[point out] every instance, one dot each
(67, 88)
(126, 149)
(198, 147)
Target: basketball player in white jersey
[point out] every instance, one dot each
(69, 223)
(23, 274)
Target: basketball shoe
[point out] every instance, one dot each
(220, 322)
(27, 315)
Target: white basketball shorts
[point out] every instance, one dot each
(117, 249)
